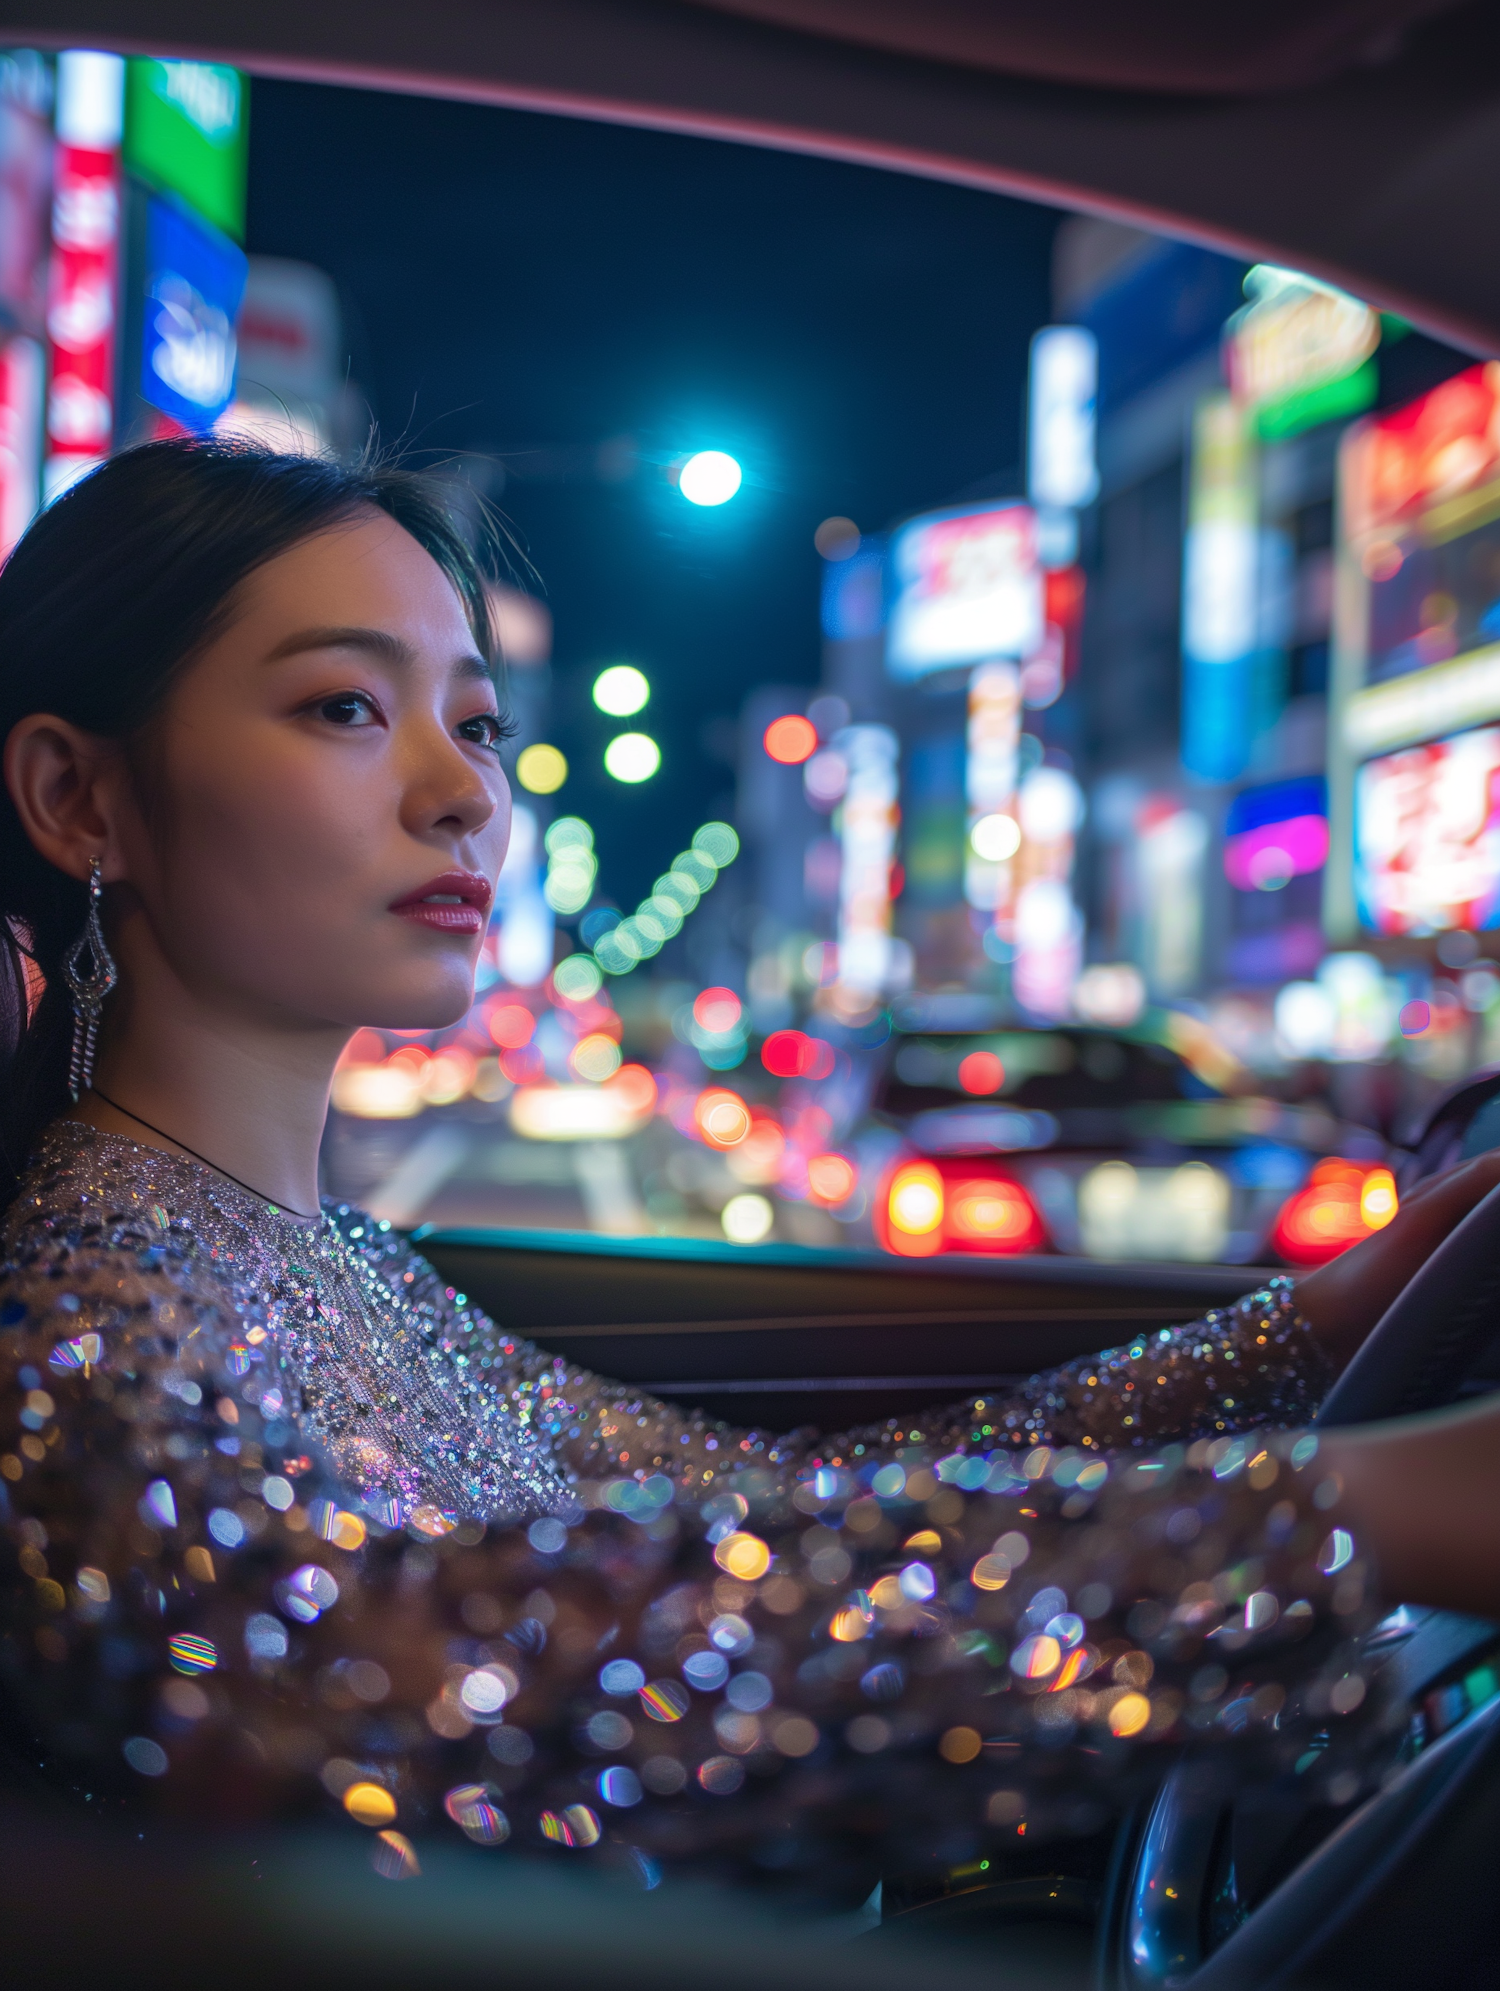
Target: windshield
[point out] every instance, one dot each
(938, 627)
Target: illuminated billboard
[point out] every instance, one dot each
(83, 279)
(1427, 836)
(195, 279)
(1300, 352)
(186, 131)
(1221, 595)
(965, 586)
(1416, 656)
(1064, 388)
(1276, 833)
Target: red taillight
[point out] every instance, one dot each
(911, 1210)
(1340, 1203)
(926, 1207)
(992, 1214)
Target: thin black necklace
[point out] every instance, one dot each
(302, 1214)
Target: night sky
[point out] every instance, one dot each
(528, 288)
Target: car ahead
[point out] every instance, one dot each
(1139, 1143)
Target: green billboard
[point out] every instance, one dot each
(186, 131)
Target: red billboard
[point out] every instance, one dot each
(82, 291)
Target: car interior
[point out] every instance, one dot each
(1349, 138)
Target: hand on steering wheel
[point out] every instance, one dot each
(1344, 1299)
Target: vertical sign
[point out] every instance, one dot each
(187, 132)
(84, 285)
(994, 834)
(1171, 843)
(21, 375)
(1061, 470)
(1048, 925)
(195, 279)
(868, 837)
(25, 188)
(522, 922)
(1220, 605)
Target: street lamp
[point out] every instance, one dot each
(710, 478)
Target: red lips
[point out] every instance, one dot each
(456, 902)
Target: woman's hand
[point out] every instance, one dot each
(1344, 1299)
(1422, 1494)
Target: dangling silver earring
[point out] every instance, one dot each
(88, 989)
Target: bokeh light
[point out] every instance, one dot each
(511, 1025)
(595, 1057)
(710, 478)
(831, 1178)
(981, 1072)
(1129, 1715)
(571, 865)
(722, 1117)
(744, 1556)
(996, 1213)
(541, 769)
(1341, 1203)
(837, 538)
(634, 1087)
(718, 843)
(747, 1218)
(717, 1009)
(995, 838)
(793, 1054)
(369, 1804)
(621, 690)
(914, 1209)
(577, 978)
(1415, 1018)
(791, 739)
(632, 757)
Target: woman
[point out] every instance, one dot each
(293, 1526)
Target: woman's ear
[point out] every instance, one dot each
(64, 783)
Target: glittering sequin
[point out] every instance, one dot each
(291, 1525)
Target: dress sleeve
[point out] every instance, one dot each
(201, 1623)
(1253, 1363)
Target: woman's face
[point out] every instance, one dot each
(333, 812)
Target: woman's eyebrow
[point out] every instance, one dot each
(378, 643)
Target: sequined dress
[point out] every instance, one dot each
(293, 1529)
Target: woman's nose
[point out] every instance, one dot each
(444, 789)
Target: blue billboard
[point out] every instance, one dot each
(195, 279)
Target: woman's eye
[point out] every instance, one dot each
(349, 708)
(485, 729)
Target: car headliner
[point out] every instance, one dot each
(1355, 139)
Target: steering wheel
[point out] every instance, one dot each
(1174, 1916)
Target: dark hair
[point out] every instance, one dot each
(111, 592)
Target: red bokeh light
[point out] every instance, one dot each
(510, 1025)
(717, 1010)
(946, 1205)
(981, 1072)
(791, 740)
(634, 1086)
(991, 1214)
(793, 1054)
(1341, 1203)
(831, 1178)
